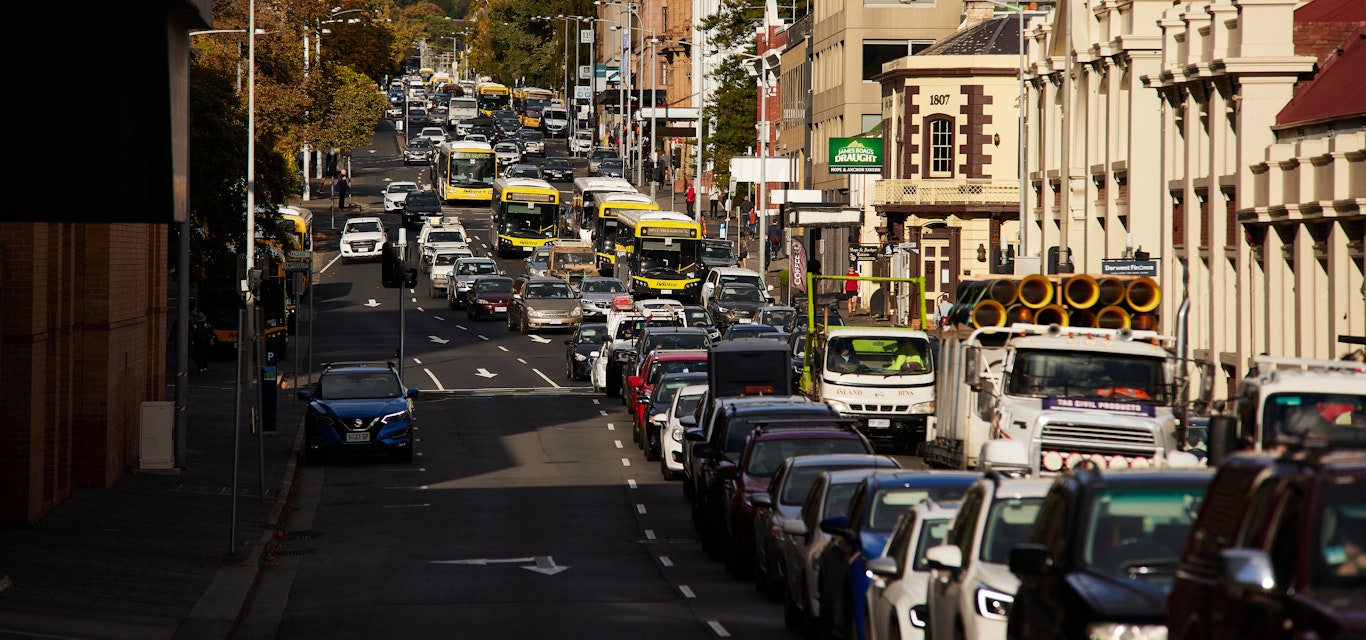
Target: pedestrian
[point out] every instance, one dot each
(201, 341)
(942, 312)
(775, 239)
(725, 201)
(713, 195)
(851, 289)
(343, 190)
(744, 251)
(691, 199)
(747, 214)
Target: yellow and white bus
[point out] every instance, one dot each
(426, 74)
(526, 214)
(606, 207)
(492, 96)
(465, 171)
(659, 254)
(587, 192)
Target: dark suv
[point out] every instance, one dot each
(1101, 555)
(1276, 551)
(358, 408)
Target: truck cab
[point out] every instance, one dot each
(883, 377)
(1293, 401)
(572, 260)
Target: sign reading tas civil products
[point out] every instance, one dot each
(855, 155)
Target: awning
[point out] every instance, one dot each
(667, 113)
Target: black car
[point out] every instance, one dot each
(612, 168)
(523, 170)
(582, 348)
(419, 206)
(557, 169)
(358, 408)
(718, 253)
(699, 317)
(734, 303)
(1107, 557)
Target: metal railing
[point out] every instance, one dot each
(966, 191)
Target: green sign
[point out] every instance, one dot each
(856, 155)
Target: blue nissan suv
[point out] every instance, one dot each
(358, 408)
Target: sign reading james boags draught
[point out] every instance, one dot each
(855, 155)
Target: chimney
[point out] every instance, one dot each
(976, 12)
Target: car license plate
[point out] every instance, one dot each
(526, 248)
(500, 309)
(745, 321)
(556, 322)
(879, 423)
(362, 249)
(666, 292)
(363, 436)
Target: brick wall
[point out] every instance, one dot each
(1322, 39)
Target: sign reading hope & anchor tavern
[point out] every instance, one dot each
(855, 155)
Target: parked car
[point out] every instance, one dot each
(1104, 566)
(358, 409)
(901, 576)
(557, 169)
(488, 297)
(685, 403)
(397, 193)
(783, 501)
(463, 275)
(596, 295)
(862, 534)
(971, 586)
(543, 302)
(363, 238)
(581, 348)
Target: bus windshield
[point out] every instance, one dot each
(528, 219)
(662, 257)
(472, 169)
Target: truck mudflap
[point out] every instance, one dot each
(904, 433)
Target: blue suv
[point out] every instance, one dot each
(358, 408)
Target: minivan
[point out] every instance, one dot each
(555, 121)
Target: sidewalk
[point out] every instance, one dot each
(163, 554)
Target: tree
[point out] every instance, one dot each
(733, 106)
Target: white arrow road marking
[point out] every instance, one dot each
(552, 382)
(372, 303)
(484, 373)
(434, 380)
(438, 339)
(486, 561)
(540, 339)
(546, 565)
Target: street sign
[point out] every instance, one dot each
(583, 92)
(300, 254)
(297, 266)
(863, 252)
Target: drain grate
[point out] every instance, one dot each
(296, 552)
(307, 534)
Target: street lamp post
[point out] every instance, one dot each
(626, 137)
(760, 66)
(654, 86)
(1019, 15)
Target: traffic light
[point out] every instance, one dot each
(410, 278)
(391, 268)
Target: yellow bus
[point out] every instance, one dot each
(526, 214)
(659, 254)
(528, 103)
(492, 96)
(426, 74)
(465, 171)
(604, 210)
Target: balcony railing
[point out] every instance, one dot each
(948, 191)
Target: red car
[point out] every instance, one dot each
(642, 385)
(488, 297)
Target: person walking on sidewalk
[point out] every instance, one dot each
(691, 199)
(851, 289)
(714, 197)
(744, 250)
(775, 240)
(343, 190)
(747, 215)
(725, 201)
(201, 341)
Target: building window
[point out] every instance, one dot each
(939, 146)
(878, 52)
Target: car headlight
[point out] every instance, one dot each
(1122, 631)
(676, 434)
(580, 357)
(992, 604)
(480, 301)
(576, 311)
(393, 417)
(722, 310)
(533, 313)
(923, 407)
(839, 406)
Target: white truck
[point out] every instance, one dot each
(461, 114)
(1291, 402)
(1066, 394)
(883, 377)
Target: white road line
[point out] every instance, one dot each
(330, 263)
(416, 361)
(664, 560)
(439, 318)
(686, 591)
(640, 509)
(618, 444)
(461, 327)
(434, 380)
(611, 427)
(499, 346)
(602, 412)
(649, 534)
(485, 339)
(631, 483)
(595, 401)
(625, 462)
(719, 630)
(543, 377)
(521, 360)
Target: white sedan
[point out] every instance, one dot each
(397, 193)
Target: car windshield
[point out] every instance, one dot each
(687, 405)
(594, 335)
(878, 355)
(445, 236)
(478, 268)
(778, 317)
(423, 200)
(495, 286)
(658, 369)
(735, 277)
(420, 143)
(1008, 524)
(401, 188)
(767, 455)
(506, 147)
(603, 286)
(889, 504)
(555, 163)
(359, 385)
(697, 318)
(524, 171)
(1339, 526)
(739, 294)
(362, 227)
(697, 340)
(717, 251)
(446, 259)
(1132, 526)
(545, 290)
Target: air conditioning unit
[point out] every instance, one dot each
(157, 436)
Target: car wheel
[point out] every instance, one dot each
(470, 313)
(793, 616)
(568, 368)
(431, 291)
(664, 470)
(651, 446)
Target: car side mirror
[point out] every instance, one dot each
(634, 382)
(1030, 559)
(761, 500)
(569, 342)
(1247, 568)
(881, 566)
(687, 422)
(945, 556)
(304, 394)
(795, 527)
(412, 392)
(837, 526)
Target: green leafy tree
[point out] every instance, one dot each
(733, 106)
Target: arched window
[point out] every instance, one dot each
(939, 146)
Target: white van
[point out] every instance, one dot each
(581, 143)
(462, 112)
(555, 121)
